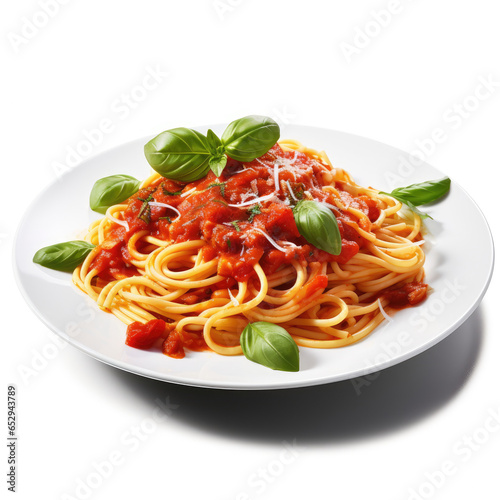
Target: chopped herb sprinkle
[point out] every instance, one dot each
(221, 185)
(171, 193)
(222, 202)
(253, 211)
(145, 211)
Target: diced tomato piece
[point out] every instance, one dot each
(143, 336)
(409, 294)
(172, 345)
(417, 293)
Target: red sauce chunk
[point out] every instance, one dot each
(409, 294)
(173, 345)
(143, 336)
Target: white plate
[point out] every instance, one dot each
(61, 213)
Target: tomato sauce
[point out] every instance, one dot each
(143, 336)
(232, 233)
(175, 343)
(204, 210)
(410, 294)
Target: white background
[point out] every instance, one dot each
(289, 60)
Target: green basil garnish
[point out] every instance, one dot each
(317, 224)
(253, 211)
(270, 345)
(221, 185)
(214, 143)
(186, 155)
(217, 164)
(63, 256)
(422, 193)
(145, 210)
(250, 137)
(171, 193)
(180, 154)
(111, 190)
(222, 202)
(218, 159)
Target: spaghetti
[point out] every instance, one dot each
(194, 263)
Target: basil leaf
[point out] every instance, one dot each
(180, 154)
(63, 256)
(111, 190)
(214, 143)
(217, 164)
(317, 224)
(270, 345)
(413, 208)
(250, 137)
(422, 193)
